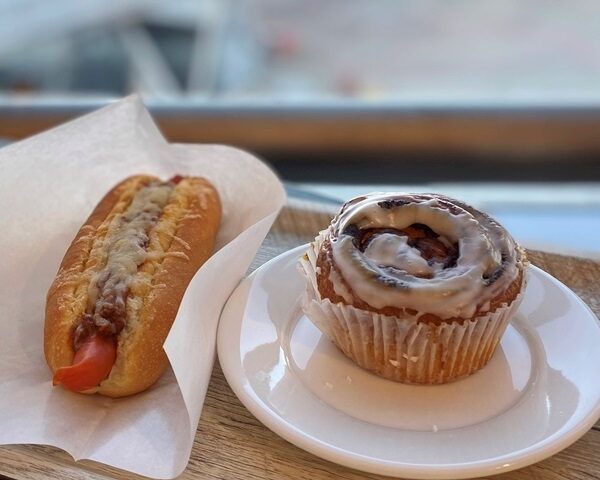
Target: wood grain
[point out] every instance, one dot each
(231, 444)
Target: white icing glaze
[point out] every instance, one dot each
(394, 251)
(391, 273)
(338, 287)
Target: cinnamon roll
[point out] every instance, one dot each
(417, 288)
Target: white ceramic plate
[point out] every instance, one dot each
(539, 393)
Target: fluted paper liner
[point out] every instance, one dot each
(401, 348)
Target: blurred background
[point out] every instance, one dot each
(496, 102)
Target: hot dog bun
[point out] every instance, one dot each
(178, 243)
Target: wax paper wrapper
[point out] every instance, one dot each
(49, 184)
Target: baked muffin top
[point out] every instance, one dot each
(422, 254)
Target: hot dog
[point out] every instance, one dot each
(119, 286)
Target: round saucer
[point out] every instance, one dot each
(535, 397)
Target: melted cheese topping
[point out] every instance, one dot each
(125, 246)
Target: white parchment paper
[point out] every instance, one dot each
(49, 184)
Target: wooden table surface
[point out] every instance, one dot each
(231, 444)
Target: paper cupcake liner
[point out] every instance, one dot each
(402, 348)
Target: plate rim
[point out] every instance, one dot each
(534, 453)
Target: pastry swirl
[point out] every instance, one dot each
(418, 254)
